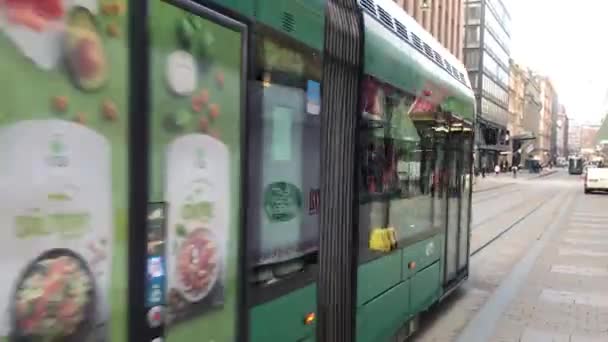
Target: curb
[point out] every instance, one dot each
(549, 173)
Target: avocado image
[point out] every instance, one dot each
(86, 57)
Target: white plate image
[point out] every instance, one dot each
(44, 48)
(197, 263)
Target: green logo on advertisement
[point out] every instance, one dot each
(57, 150)
(200, 159)
(282, 201)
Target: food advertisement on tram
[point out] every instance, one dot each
(286, 207)
(196, 94)
(63, 146)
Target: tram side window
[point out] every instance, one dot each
(395, 165)
(284, 154)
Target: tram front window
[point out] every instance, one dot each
(284, 157)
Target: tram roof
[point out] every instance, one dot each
(398, 50)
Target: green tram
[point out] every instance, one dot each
(576, 165)
(172, 171)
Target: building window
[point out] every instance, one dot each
(473, 12)
(491, 67)
(473, 79)
(471, 59)
(498, 30)
(286, 169)
(493, 112)
(491, 44)
(496, 92)
(473, 35)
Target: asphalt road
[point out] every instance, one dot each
(527, 236)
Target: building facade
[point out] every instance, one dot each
(545, 150)
(574, 137)
(601, 138)
(442, 18)
(523, 100)
(533, 104)
(486, 56)
(588, 137)
(561, 129)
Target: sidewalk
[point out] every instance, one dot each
(492, 181)
(564, 297)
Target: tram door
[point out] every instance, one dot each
(439, 188)
(197, 100)
(454, 170)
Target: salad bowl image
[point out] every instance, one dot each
(54, 299)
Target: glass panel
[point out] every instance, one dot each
(472, 35)
(197, 89)
(396, 144)
(473, 78)
(285, 156)
(494, 112)
(472, 59)
(465, 220)
(473, 12)
(410, 211)
(497, 29)
(492, 89)
(491, 44)
(63, 180)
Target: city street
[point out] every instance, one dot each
(538, 270)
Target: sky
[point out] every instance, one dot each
(566, 40)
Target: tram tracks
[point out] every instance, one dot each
(499, 233)
(486, 197)
(503, 189)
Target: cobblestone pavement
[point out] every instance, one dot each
(545, 279)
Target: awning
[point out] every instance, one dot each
(492, 124)
(524, 136)
(494, 147)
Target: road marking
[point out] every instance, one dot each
(588, 231)
(590, 214)
(589, 225)
(588, 220)
(582, 241)
(580, 270)
(535, 335)
(581, 252)
(579, 338)
(569, 297)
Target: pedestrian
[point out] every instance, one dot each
(514, 169)
(497, 169)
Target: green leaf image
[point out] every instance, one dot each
(181, 230)
(56, 146)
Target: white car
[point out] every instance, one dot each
(596, 179)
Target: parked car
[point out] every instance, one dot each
(596, 179)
